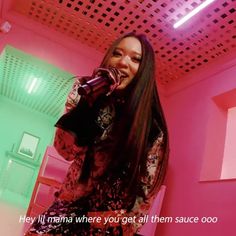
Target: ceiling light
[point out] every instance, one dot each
(32, 86)
(192, 13)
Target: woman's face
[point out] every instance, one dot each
(126, 58)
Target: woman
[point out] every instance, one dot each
(119, 147)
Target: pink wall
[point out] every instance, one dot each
(188, 111)
(54, 48)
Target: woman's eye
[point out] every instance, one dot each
(117, 53)
(136, 59)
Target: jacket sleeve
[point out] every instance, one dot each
(64, 141)
(153, 166)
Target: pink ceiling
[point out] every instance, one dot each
(208, 37)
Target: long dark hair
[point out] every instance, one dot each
(143, 120)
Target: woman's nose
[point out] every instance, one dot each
(124, 61)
